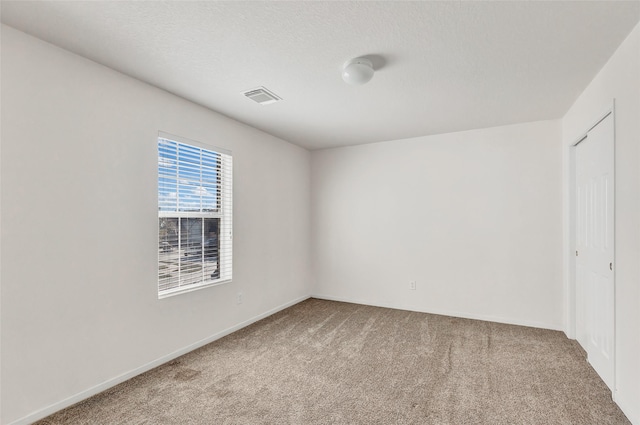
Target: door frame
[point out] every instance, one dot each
(570, 234)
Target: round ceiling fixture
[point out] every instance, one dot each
(357, 71)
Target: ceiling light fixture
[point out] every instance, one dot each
(357, 71)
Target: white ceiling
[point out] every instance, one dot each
(441, 66)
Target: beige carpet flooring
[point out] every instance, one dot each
(324, 362)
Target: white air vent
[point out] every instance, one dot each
(262, 96)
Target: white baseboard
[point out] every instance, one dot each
(43, 413)
(487, 318)
(629, 409)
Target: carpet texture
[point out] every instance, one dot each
(324, 362)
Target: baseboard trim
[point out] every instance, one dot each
(629, 409)
(70, 401)
(441, 312)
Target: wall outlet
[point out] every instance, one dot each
(239, 298)
(412, 285)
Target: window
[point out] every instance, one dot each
(194, 216)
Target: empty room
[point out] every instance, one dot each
(320, 212)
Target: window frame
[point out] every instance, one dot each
(223, 214)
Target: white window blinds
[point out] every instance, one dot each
(194, 216)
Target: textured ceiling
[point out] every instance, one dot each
(441, 66)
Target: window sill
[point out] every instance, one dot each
(191, 288)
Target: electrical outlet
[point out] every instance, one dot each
(239, 298)
(412, 285)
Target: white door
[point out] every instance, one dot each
(595, 311)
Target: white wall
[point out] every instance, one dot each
(79, 226)
(619, 79)
(473, 217)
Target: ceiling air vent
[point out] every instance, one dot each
(262, 96)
